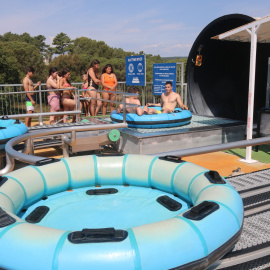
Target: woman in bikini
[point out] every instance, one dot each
(54, 96)
(68, 98)
(109, 83)
(93, 83)
(85, 86)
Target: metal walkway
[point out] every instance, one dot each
(252, 251)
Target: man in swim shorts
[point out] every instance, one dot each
(30, 98)
(169, 100)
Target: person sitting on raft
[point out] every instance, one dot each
(132, 100)
(169, 100)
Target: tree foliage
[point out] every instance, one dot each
(19, 51)
(62, 43)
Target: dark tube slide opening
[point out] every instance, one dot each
(219, 87)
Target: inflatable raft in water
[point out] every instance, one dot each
(124, 212)
(10, 128)
(161, 120)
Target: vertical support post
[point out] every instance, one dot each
(252, 69)
(124, 109)
(268, 85)
(65, 148)
(77, 102)
(40, 106)
(182, 79)
(143, 96)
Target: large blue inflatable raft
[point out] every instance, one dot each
(10, 128)
(162, 120)
(123, 212)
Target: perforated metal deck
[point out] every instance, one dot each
(252, 251)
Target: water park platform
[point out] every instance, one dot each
(202, 131)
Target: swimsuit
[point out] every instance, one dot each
(54, 101)
(109, 80)
(91, 83)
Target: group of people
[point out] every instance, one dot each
(65, 99)
(169, 101)
(61, 95)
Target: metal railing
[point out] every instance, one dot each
(12, 99)
(23, 156)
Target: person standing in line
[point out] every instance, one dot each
(85, 86)
(68, 97)
(93, 84)
(54, 96)
(30, 98)
(109, 83)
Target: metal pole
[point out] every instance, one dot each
(124, 109)
(40, 107)
(77, 103)
(182, 79)
(252, 68)
(268, 85)
(214, 148)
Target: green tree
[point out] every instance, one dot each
(62, 43)
(26, 55)
(9, 71)
(39, 42)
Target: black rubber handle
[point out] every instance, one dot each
(46, 161)
(97, 236)
(201, 211)
(101, 191)
(172, 159)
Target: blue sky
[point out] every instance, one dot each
(167, 28)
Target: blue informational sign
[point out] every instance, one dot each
(163, 73)
(135, 70)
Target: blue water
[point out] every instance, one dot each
(130, 207)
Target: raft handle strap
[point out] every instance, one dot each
(214, 177)
(38, 214)
(2, 127)
(101, 191)
(5, 117)
(46, 161)
(201, 211)
(97, 236)
(5, 219)
(169, 203)
(110, 154)
(172, 159)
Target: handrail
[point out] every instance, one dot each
(17, 116)
(215, 148)
(12, 154)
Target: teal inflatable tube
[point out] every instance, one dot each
(119, 212)
(161, 120)
(10, 128)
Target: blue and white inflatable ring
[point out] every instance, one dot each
(10, 128)
(162, 120)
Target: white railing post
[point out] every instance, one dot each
(252, 69)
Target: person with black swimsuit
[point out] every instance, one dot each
(93, 84)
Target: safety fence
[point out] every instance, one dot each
(12, 98)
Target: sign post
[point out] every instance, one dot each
(161, 74)
(135, 70)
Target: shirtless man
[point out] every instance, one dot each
(169, 100)
(29, 97)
